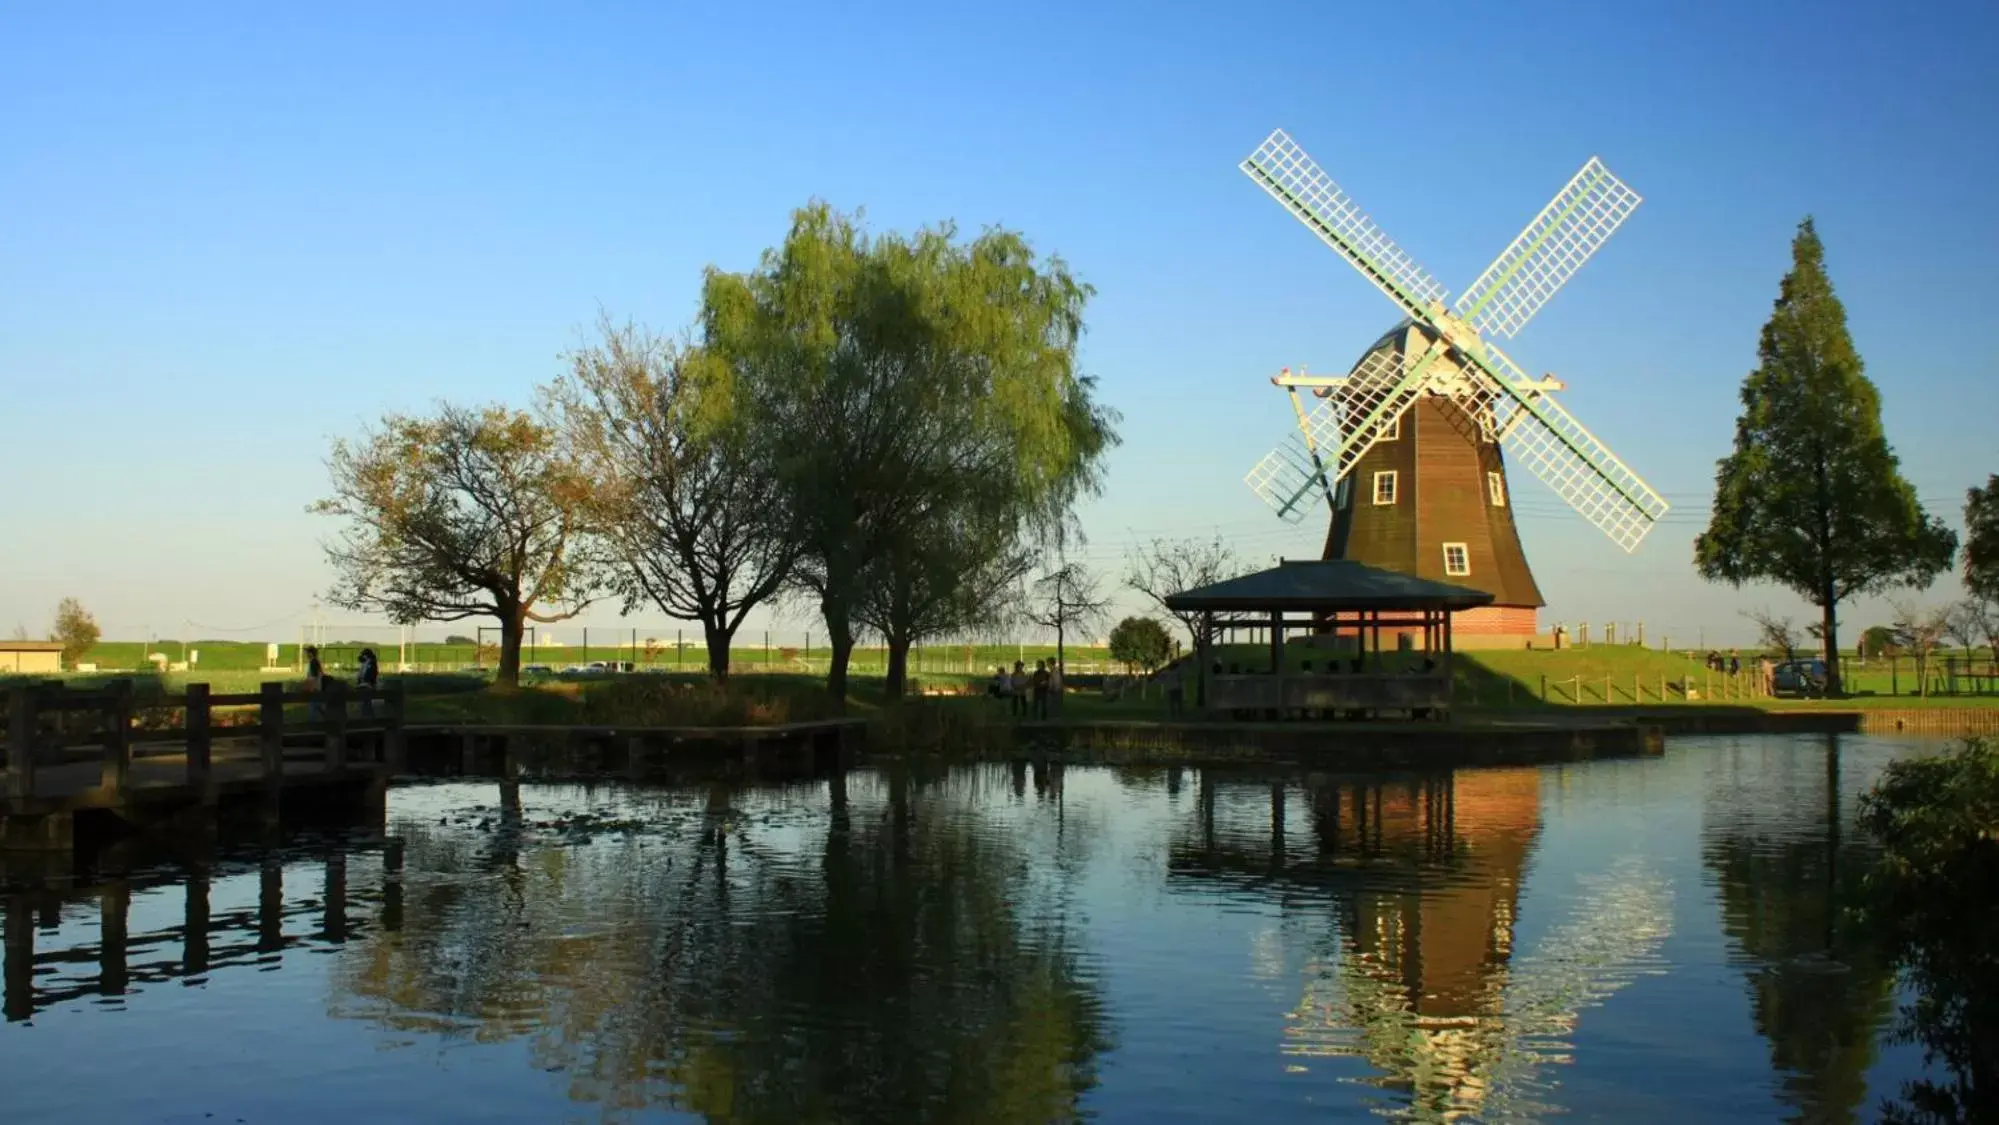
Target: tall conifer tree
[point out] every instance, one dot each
(1813, 498)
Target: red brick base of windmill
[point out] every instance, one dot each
(1488, 627)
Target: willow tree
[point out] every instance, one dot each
(904, 388)
(1813, 498)
(947, 578)
(677, 494)
(469, 513)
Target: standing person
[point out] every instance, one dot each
(367, 675)
(1017, 690)
(1041, 689)
(315, 674)
(1734, 663)
(1055, 685)
(1176, 689)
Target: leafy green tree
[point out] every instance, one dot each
(1813, 498)
(946, 580)
(1981, 540)
(902, 388)
(467, 513)
(1929, 900)
(1879, 641)
(1140, 642)
(678, 494)
(75, 629)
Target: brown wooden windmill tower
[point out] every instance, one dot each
(1409, 448)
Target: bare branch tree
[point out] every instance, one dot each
(1066, 599)
(677, 497)
(1774, 632)
(1920, 632)
(1979, 617)
(1165, 567)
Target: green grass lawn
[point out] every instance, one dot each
(1627, 676)
(212, 658)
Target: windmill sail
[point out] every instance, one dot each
(1281, 168)
(1345, 424)
(1536, 431)
(1573, 226)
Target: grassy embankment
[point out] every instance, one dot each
(214, 658)
(1593, 680)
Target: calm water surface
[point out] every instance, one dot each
(1617, 941)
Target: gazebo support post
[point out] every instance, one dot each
(1450, 673)
(1277, 656)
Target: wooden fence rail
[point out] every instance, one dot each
(42, 720)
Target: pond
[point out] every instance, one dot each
(1648, 940)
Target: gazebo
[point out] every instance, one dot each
(1338, 666)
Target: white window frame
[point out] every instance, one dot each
(1389, 476)
(1393, 430)
(1464, 553)
(1495, 489)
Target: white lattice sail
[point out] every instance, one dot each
(1538, 432)
(1573, 226)
(1281, 168)
(1335, 433)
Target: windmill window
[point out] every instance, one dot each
(1343, 493)
(1457, 560)
(1495, 487)
(1384, 487)
(1393, 430)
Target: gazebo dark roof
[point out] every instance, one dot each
(1330, 584)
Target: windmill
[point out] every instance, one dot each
(1417, 427)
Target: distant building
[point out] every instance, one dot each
(30, 658)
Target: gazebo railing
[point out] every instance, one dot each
(1330, 692)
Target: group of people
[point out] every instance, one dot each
(367, 674)
(1730, 664)
(1027, 693)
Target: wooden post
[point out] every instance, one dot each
(333, 903)
(1544, 687)
(199, 740)
(395, 740)
(271, 905)
(271, 731)
(1606, 687)
(194, 926)
(334, 693)
(20, 956)
(118, 739)
(21, 742)
(114, 907)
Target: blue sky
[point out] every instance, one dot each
(235, 231)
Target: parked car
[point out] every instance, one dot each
(1803, 678)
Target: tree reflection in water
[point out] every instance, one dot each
(1779, 842)
(872, 950)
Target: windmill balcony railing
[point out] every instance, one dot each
(1425, 694)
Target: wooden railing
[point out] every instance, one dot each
(43, 724)
(1344, 692)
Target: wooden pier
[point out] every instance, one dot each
(44, 970)
(182, 759)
